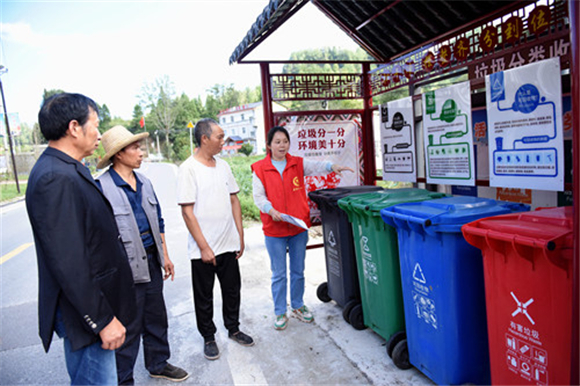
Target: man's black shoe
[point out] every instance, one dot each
(173, 373)
(241, 338)
(211, 351)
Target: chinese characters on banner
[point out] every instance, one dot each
(448, 136)
(326, 138)
(524, 108)
(521, 57)
(398, 141)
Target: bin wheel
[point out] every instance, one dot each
(393, 340)
(322, 293)
(401, 355)
(347, 308)
(356, 317)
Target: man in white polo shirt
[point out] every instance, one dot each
(207, 193)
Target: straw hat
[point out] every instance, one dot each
(114, 140)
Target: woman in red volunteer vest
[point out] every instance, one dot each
(279, 192)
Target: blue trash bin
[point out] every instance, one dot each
(443, 286)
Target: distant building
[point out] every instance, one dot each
(232, 144)
(245, 124)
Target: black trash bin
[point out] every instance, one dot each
(341, 269)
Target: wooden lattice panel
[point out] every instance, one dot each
(315, 86)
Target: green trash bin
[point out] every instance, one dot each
(377, 258)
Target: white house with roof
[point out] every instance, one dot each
(245, 124)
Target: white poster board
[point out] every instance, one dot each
(335, 141)
(332, 138)
(524, 108)
(448, 136)
(398, 141)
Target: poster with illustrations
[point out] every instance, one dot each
(398, 141)
(448, 136)
(326, 137)
(524, 107)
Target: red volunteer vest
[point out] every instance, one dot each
(287, 195)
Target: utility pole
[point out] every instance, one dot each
(4, 70)
(190, 127)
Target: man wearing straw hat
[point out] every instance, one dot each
(138, 216)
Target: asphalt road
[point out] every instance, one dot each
(327, 351)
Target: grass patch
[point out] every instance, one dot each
(8, 191)
(243, 174)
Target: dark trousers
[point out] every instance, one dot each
(203, 276)
(150, 323)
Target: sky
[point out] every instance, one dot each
(108, 50)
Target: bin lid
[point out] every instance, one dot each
(373, 202)
(543, 225)
(449, 213)
(549, 230)
(331, 196)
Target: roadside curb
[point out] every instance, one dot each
(12, 201)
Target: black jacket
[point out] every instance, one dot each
(82, 265)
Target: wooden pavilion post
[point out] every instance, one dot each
(266, 97)
(368, 140)
(574, 11)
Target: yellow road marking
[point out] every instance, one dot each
(15, 252)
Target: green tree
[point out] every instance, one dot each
(107, 120)
(392, 95)
(134, 126)
(252, 95)
(26, 137)
(105, 117)
(115, 121)
(190, 110)
(37, 137)
(325, 54)
(221, 97)
(181, 145)
(48, 93)
(158, 97)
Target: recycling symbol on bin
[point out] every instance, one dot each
(418, 274)
(331, 240)
(365, 245)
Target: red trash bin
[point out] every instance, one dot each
(527, 260)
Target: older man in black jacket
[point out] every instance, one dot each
(86, 289)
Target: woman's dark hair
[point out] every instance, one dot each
(58, 110)
(273, 132)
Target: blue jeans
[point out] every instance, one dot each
(90, 365)
(296, 248)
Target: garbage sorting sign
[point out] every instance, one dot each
(524, 111)
(334, 140)
(448, 135)
(398, 141)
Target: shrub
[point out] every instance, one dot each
(246, 149)
(243, 174)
